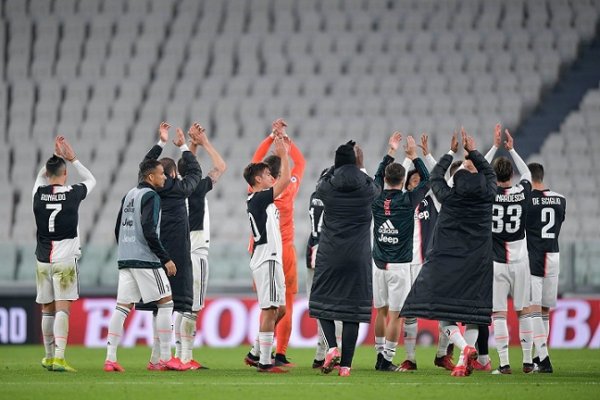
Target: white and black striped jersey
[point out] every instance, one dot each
(508, 222)
(264, 223)
(56, 210)
(315, 211)
(545, 216)
(426, 215)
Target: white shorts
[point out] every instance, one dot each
(57, 281)
(200, 274)
(270, 284)
(512, 279)
(415, 269)
(310, 275)
(148, 284)
(391, 286)
(544, 291)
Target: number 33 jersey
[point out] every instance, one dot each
(545, 216)
(508, 222)
(56, 210)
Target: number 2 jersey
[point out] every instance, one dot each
(545, 216)
(508, 222)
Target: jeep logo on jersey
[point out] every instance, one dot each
(388, 228)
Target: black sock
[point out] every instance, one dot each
(328, 327)
(349, 337)
(483, 339)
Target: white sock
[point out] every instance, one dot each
(321, 347)
(48, 333)
(379, 344)
(526, 337)
(266, 345)
(339, 326)
(155, 355)
(389, 350)
(61, 333)
(255, 350)
(188, 333)
(443, 342)
(410, 338)
(115, 331)
(483, 360)
(455, 337)
(501, 336)
(177, 317)
(471, 334)
(163, 327)
(546, 319)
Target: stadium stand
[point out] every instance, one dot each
(104, 73)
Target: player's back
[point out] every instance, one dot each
(545, 216)
(56, 210)
(508, 222)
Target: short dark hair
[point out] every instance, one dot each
(537, 172)
(408, 176)
(503, 168)
(274, 163)
(55, 166)
(181, 167)
(454, 166)
(169, 165)
(146, 168)
(394, 174)
(253, 170)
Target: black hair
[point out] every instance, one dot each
(253, 170)
(408, 176)
(169, 165)
(503, 169)
(537, 172)
(274, 163)
(146, 168)
(55, 166)
(181, 167)
(394, 174)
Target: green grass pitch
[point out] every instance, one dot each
(576, 376)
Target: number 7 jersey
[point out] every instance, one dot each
(545, 216)
(508, 222)
(56, 210)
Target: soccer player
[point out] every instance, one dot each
(342, 289)
(175, 230)
(141, 258)
(56, 210)
(511, 273)
(393, 216)
(455, 283)
(545, 216)
(200, 241)
(265, 263)
(285, 205)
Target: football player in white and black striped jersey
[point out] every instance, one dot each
(511, 270)
(56, 210)
(545, 216)
(266, 262)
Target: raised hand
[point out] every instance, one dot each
(163, 131)
(198, 134)
(360, 157)
(410, 148)
(394, 141)
(454, 142)
(509, 142)
(278, 127)
(281, 149)
(497, 135)
(179, 138)
(468, 141)
(57, 148)
(424, 144)
(66, 150)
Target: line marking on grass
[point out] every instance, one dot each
(295, 383)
